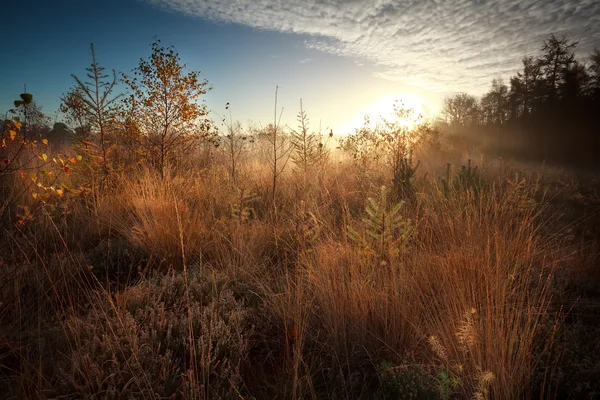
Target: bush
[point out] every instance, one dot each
(167, 336)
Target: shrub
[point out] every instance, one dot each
(165, 336)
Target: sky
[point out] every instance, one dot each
(343, 58)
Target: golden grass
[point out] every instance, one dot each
(286, 292)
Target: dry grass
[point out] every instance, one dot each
(284, 303)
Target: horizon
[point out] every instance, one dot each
(343, 60)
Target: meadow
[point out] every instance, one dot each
(470, 283)
(275, 263)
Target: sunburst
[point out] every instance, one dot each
(385, 108)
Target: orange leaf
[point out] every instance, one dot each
(12, 134)
(72, 160)
(67, 170)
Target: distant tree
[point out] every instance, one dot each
(163, 105)
(235, 143)
(515, 98)
(495, 104)
(526, 88)
(60, 134)
(461, 110)
(74, 110)
(594, 73)
(576, 81)
(558, 56)
(37, 123)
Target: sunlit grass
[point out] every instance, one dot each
(153, 287)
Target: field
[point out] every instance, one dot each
(226, 275)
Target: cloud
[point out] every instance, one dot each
(440, 45)
(304, 61)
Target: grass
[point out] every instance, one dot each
(144, 287)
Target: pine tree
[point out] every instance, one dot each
(92, 102)
(385, 229)
(557, 58)
(308, 149)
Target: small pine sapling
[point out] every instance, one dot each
(385, 231)
(404, 171)
(242, 210)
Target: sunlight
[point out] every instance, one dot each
(383, 108)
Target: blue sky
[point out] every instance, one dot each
(343, 58)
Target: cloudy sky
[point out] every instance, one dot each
(344, 58)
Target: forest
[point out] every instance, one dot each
(549, 111)
(150, 251)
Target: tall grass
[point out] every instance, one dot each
(283, 303)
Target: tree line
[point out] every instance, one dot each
(549, 110)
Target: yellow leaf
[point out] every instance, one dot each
(44, 156)
(12, 134)
(34, 195)
(59, 192)
(18, 125)
(45, 141)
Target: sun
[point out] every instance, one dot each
(383, 109)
